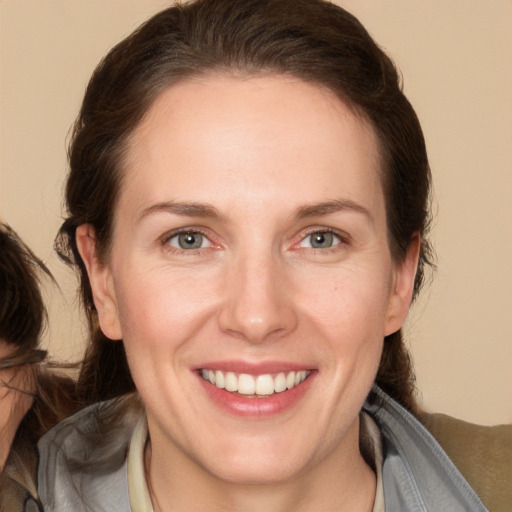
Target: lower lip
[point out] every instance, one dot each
(257, 407)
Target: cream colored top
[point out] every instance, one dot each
(376, 445)
(140, 500)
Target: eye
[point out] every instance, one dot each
(189, 240)
(320, 240)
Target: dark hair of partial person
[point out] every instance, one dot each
(22, 321)
(22, 311)
(312, 40)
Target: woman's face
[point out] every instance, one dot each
(250, 248)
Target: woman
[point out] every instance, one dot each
(248, 210)
(22, 315)
(32, 398)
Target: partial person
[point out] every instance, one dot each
(32, 399)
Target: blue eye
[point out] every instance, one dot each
(189, 240)
(320, 240)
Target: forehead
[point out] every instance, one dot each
(251, 134)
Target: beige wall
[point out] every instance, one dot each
(455, 56)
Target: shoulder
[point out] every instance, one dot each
(417, 473)
(483, 454)
(83, 459)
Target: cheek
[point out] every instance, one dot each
(349, 316)
(160, 309)
(348, 300)
(160, 315)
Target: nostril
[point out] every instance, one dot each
(257, 329)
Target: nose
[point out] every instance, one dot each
(258, 305)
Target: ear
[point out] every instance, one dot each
(403, 287)
(101, 281)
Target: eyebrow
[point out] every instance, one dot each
(183, 209)
(209, 211)
(328, 207)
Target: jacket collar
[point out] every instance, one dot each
(417, 474)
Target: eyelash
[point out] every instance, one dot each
(166, 239)
(343, 240)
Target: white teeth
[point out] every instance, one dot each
(231, 382)
(299, 377)
(264, 385)
(290, 380)
(261, 385)
(280, 383)
(219, 380)
(246, 385)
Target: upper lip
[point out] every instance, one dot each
(253, 368)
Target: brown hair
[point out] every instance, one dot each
(22, 312)
(22, 320)
(313, 40)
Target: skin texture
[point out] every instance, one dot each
(262, 156)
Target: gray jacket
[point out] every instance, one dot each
(78, 474)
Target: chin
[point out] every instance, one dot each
(266, 465)
(247, 473)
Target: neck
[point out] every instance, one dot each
(341, 482)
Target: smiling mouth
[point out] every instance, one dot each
(254, 386)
